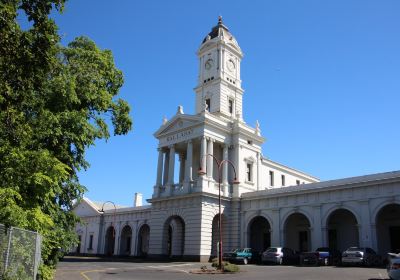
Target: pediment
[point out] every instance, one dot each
(177, 123)
(85, 208)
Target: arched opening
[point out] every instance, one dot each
(342, 230)
(259, 234)
(297, 232)
(126, 241)
(109, 241)
(174, 237)
(388, 229)
(143, 240)
(215, 235)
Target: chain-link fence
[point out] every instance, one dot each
(19, 253)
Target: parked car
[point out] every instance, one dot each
(361, 256)
(321, 256)
(393, 268)
(280, 255)
(244, 256)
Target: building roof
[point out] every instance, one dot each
(325, 184)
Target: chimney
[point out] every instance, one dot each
(138, 199)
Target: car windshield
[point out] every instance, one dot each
(354, 249)
(237, 250)
(272, 250)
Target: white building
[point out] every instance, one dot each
(273, 205)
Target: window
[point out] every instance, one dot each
(283, 179)
(230, 106)
(208, 102)
(90, 242)
(249, 142)
(248, 172)
(297, 182)
(271, 178)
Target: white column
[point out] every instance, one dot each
(166, 168)
(203, 152)
(181, 167)
(210, 160)
(258, 170)
(171, 165)
(159, 167)
(189, 161)
(225, 165)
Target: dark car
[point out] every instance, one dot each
(321, 256)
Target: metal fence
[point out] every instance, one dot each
(19, 253)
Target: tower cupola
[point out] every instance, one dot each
(219, 88)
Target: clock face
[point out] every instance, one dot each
(209, 63)
(230, 65)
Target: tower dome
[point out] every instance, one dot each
(221, 33)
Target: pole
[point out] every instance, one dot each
(220, 220)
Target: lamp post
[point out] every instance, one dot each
(115, 214)
(202, 172)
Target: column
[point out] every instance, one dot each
(189, 162)
(171, 165)
(276, 229)
(225, 165)
(159, 166)
(203, 152)
(258, 170)
(181, 167)
(316, 230)
(166, 168)
(365, 232)
(210, 150)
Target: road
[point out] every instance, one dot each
(99, 269)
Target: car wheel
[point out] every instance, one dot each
(245, 261)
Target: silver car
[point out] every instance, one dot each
(278, 255)
(393, 267)
(360, 256)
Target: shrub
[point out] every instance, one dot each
(228, 267)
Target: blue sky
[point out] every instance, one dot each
(322, 78)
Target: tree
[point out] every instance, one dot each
(55, 102)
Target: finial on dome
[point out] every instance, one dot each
(219, 20)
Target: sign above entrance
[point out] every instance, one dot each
(179, 136)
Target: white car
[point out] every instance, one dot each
(393, 267)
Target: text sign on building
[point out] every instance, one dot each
(183, 135)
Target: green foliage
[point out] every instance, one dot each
(54, 104)
(228, 267)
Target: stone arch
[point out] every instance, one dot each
(342, 229)
(125, 241)
(329, 211)
(109, 241)
(259, 233)
(143, 239)
(296, 231)
(215, 235)
(173, 244)
(387, 222)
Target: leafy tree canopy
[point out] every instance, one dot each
(54, 104)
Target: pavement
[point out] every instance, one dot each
(90, 268)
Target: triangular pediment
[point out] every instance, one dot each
(178, 123)
(85, 207)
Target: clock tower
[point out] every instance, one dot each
(219, 88)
